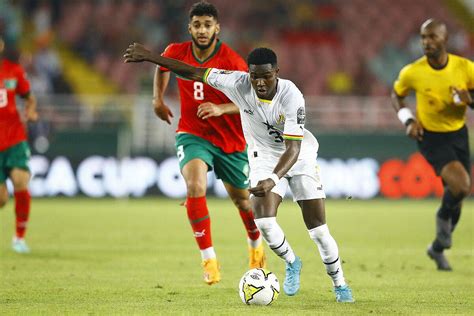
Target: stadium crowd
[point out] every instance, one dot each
(325, 40)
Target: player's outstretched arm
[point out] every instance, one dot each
(137, 53)
(413, 127)
(287, 160)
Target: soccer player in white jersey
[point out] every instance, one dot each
(281, 153)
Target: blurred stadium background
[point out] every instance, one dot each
(98, 135)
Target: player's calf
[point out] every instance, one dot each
(443, 233)
(275, 238)
(329, 252)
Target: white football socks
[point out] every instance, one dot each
(275, 238)
(254, 243)
(329, 253)
(208, 253)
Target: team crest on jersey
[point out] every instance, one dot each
(10, 84)
(300, 116)
(281, 119)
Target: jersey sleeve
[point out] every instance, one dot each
(23, 85)
(402, 85)
(294, 109)
(168, 52)
(223, 80)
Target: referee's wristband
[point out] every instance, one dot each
(275, 178)
(405, 116)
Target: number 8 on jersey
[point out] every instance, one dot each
(198, 90)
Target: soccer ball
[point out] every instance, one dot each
(259, 287)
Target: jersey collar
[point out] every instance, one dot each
(216, 49)
(441, 68)
(269, 101)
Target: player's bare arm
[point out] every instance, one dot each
(413, 127)
(209, 109)
(31, 115)
(137, 53)
(160, 83)
(287, 160)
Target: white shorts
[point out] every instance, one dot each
(303, 178)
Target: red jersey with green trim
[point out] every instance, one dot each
(224, 131)
(12, 82)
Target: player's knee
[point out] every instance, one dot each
(313, 222)
(461, 190)
(196, 188)
(20, 179)
(465, 189)
(20, 185)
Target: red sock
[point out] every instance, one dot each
(248, 219)
(22, 211)
(198, 216)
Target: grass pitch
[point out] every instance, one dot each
(139, 257)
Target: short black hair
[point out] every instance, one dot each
(262, 56)
(202, 8)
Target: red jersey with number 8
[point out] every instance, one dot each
(12, 82)
(224, 131)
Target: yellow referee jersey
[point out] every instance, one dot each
(435, 105)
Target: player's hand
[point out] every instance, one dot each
(209, 109)
(262, 188)
(136, 53)
(415, 130)
(163, 111)
(31, 115)
(464, 97)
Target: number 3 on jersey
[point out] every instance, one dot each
(198, 90)
(3, 98)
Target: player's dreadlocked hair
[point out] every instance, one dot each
(262, 56)
(203, 8)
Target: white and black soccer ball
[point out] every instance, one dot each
(259, 287)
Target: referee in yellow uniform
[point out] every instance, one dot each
(444, 86)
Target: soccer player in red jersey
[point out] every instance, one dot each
(208, 143)
(14, 149)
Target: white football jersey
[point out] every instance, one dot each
(266, 123)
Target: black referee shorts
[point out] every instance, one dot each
(441, 148)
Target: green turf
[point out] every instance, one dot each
(139, 257)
